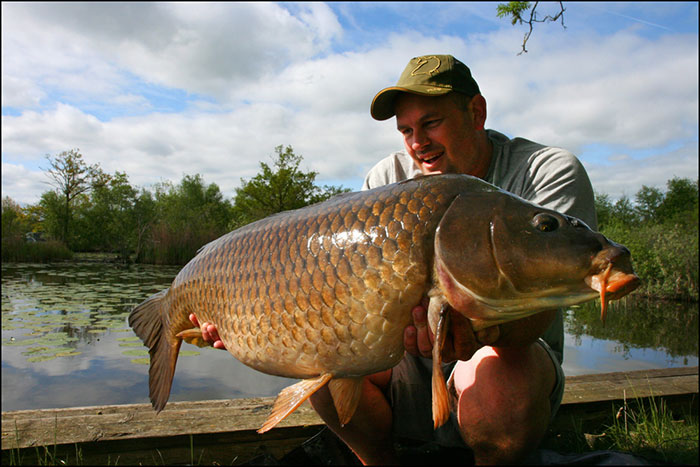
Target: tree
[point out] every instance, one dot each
(278, 188)
(72, 177)
(603, 209)
(193, 205)
(106, 220)
(14, 220)
(680, 205)
(648, 200)
(51, 211)
(144, 218)
(624, 212)
(188, 216)
(516, 10)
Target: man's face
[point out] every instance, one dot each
(441, 137)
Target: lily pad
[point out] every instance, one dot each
(41, 358)
(129, 339)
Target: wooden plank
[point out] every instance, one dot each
(591, 401)
(636, 374)
(231, 448)
(617, 386)
(224, 430)
(27, 428)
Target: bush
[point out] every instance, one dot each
(665, 256)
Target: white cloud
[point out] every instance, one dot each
(639, 93)
(623, 175)
(210, 49)
(22, 184)
(259, 75)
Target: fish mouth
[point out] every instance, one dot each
(611, 284)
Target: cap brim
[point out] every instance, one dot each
(382, 107)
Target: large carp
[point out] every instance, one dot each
(324, 293)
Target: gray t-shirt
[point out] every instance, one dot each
(551, 177)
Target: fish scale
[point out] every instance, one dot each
(355, 277)
(324, 293)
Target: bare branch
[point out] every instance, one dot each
(516, 10)
(548, 18)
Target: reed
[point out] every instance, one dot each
(17, 250)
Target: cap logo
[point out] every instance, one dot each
(423, 61)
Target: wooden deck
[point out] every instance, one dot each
(223, 431)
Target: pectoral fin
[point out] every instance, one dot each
(441, 404)
(292, 397)
(193, 336)
(346, 395)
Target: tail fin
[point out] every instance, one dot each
(147, 322)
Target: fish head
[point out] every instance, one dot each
(499, 258)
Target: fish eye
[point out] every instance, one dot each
(545, 222)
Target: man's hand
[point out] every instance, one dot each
(209, 333)
(460, 344)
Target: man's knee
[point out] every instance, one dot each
(503, 401)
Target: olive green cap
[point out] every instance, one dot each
(429, 75)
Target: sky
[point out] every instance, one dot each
(164, 90)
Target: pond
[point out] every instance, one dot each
(66, 342)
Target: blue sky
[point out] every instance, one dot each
(160, 90)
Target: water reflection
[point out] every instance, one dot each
(665, 326)
(66, 342)
(638, 334)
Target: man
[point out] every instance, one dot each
(504, 395)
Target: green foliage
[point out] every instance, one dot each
(513, 9)
(51, 210)
(188, 216)
(14, 221)
(104, 222)
(680, 205)
(661, 231)
(648, 200)
(279, 188)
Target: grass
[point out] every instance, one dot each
(643, 427)
(652, 431)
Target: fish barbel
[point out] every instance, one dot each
(324, 293)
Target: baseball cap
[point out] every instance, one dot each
(428, 75)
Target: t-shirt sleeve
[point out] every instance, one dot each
(560, 182)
